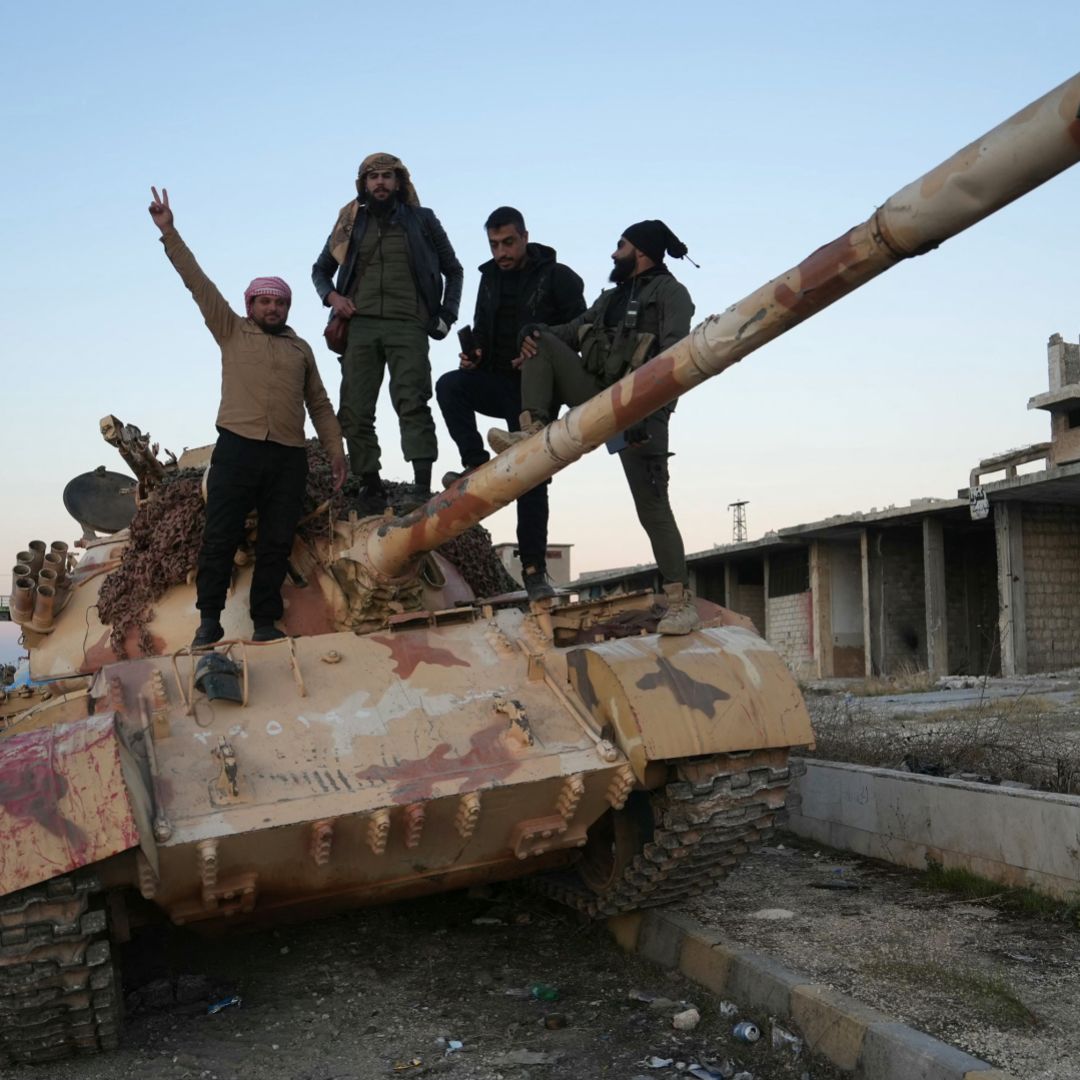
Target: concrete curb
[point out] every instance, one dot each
(855, 1038)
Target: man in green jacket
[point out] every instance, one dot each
(391, 258)
(646, 312)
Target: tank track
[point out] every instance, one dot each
(59, 992)
(704, 819)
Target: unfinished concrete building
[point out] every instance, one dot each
(986, 583)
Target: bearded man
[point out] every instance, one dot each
(268, 376)
(398, 283)
(646, 312)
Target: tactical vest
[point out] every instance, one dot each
(385, 287)
(611, 352)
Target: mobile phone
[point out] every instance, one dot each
(469, 345)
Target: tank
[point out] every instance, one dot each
(410, 736)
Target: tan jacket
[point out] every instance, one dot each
(266, 379)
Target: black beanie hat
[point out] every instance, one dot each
(654, 238)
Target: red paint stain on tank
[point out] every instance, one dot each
(307, 611)
(485, 761)
(652, 385)
(411, 649)
(821, 278)
(31, 789)
(98, 655)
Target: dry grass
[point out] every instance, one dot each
(904, 682)
(1001, 740)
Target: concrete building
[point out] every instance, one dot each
(558, 562)
(986, 583)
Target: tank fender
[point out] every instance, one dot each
(70, 795)
(717, 690)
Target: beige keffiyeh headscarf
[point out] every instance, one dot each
(343, 227)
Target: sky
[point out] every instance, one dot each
(756, 134)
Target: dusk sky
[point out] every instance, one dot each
(756, 133)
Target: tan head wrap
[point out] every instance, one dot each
(343, 227)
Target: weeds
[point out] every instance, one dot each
(988, 994)
(966, 885)
(994, 741)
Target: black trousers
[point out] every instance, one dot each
(246, 475)
(461, 395)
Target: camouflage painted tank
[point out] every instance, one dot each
(410, 737)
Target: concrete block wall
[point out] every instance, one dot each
(897, 600)
(790, 624)
(749, 600)
(1052, 585)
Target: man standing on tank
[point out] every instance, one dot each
(646, 312)
(521, 284)
(268, 376)
(398, 282)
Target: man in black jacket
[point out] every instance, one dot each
(391, 257)
(521, 284)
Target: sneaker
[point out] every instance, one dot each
(210, 631)
(267, 632)
(500, 440)
(682, 616)
(536, 584)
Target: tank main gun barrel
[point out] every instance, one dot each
(1017, 156)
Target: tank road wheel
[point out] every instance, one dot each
(59, 989)
(679, 839)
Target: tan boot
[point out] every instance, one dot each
(682, 616)
(500, 440)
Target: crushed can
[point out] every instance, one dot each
(746, 1032)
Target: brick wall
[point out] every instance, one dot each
(750, 601)
(1052, 585)
(972, 601)
(790, 622)
(896, 592)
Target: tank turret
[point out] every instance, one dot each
(410, 736)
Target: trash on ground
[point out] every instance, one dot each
(528, 1057)
(555, 1021)
(782, 1038)
(655, 1062)
(746, 1032)
(543, 992)
(224, 1003)
(686, 1020)
(404, 1066)
(724, 1071)
(728, 1009)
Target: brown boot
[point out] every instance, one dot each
(682, 616)
(500, 440)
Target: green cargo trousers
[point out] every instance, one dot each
(373, 346)
(554, 377)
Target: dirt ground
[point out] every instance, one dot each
(1002, 986)
(382, 992)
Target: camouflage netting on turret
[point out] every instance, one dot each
(167, 529)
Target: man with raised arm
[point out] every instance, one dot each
(646, 312)
(268, 376)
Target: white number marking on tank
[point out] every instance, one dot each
(273, 727)
(237, 729)
(201, 736)
(304, 720)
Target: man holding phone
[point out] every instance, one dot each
(520, 285)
